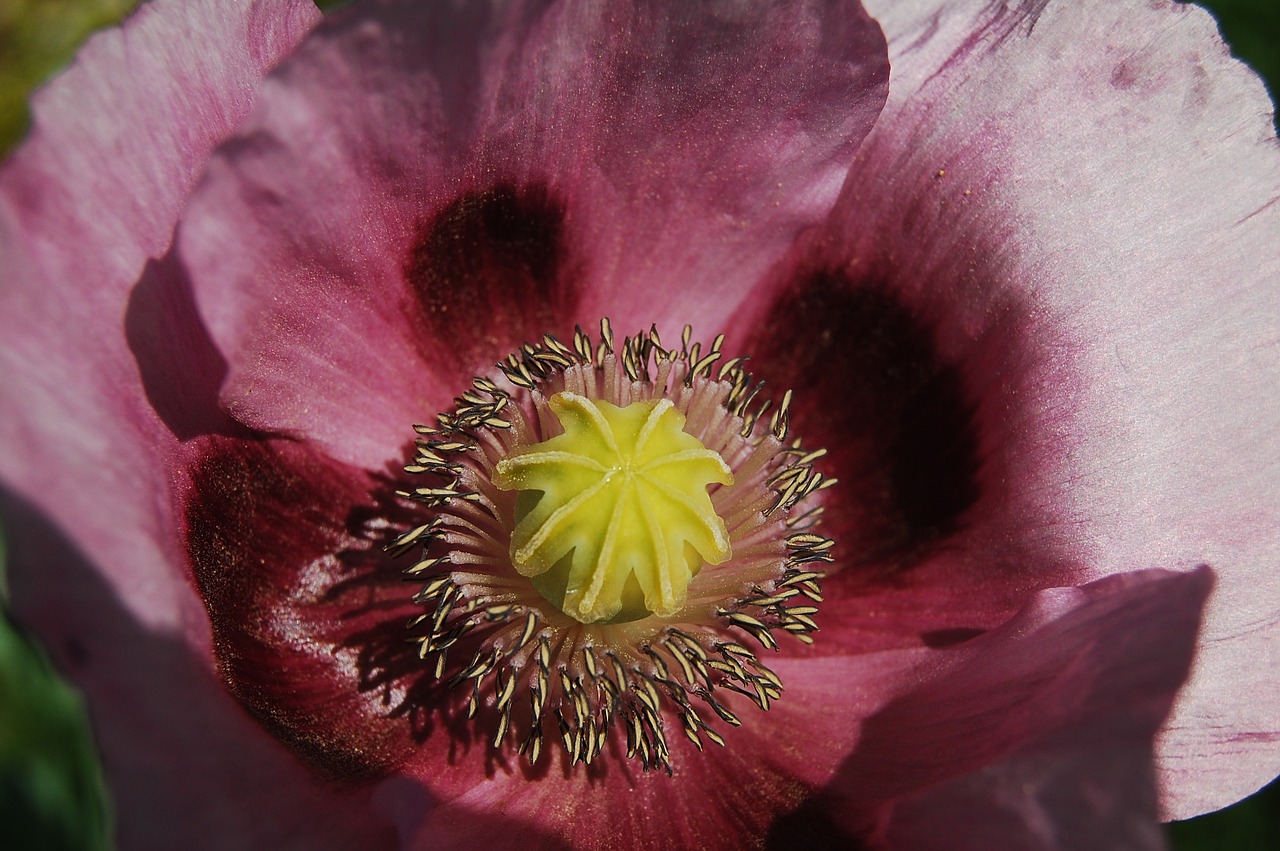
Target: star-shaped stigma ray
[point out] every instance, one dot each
(614, 518)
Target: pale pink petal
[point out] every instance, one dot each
(118, 141)
(424, 187)
(121, 137)
(1075, 205)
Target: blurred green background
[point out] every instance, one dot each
(51, 792)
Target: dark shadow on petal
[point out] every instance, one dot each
(181, 369)
(457, 64)
(489, 271)
(939, 638)
(810, 828)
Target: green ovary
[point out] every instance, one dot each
(613, 519)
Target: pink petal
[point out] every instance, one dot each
(1037, 735)
(120, 138)
(1075, 205)
(424, 188)
(309, 624)
(308, 619)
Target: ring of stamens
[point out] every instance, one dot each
(486, 629)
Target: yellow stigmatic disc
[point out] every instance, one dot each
(613, 517)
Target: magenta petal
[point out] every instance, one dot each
(92, 195)
(424, 187)
(1037, 735)
(121, 137)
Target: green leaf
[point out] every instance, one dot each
(37, 38)
(52, 795)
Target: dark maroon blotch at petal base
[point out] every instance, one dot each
(923, 408)
(490, 270)
(871, 387)
(308, 616)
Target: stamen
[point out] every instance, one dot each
(608, 524)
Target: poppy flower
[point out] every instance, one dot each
(333, 486)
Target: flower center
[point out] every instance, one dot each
(606, 526)
(613, 518)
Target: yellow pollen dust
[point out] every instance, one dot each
(613, 519)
